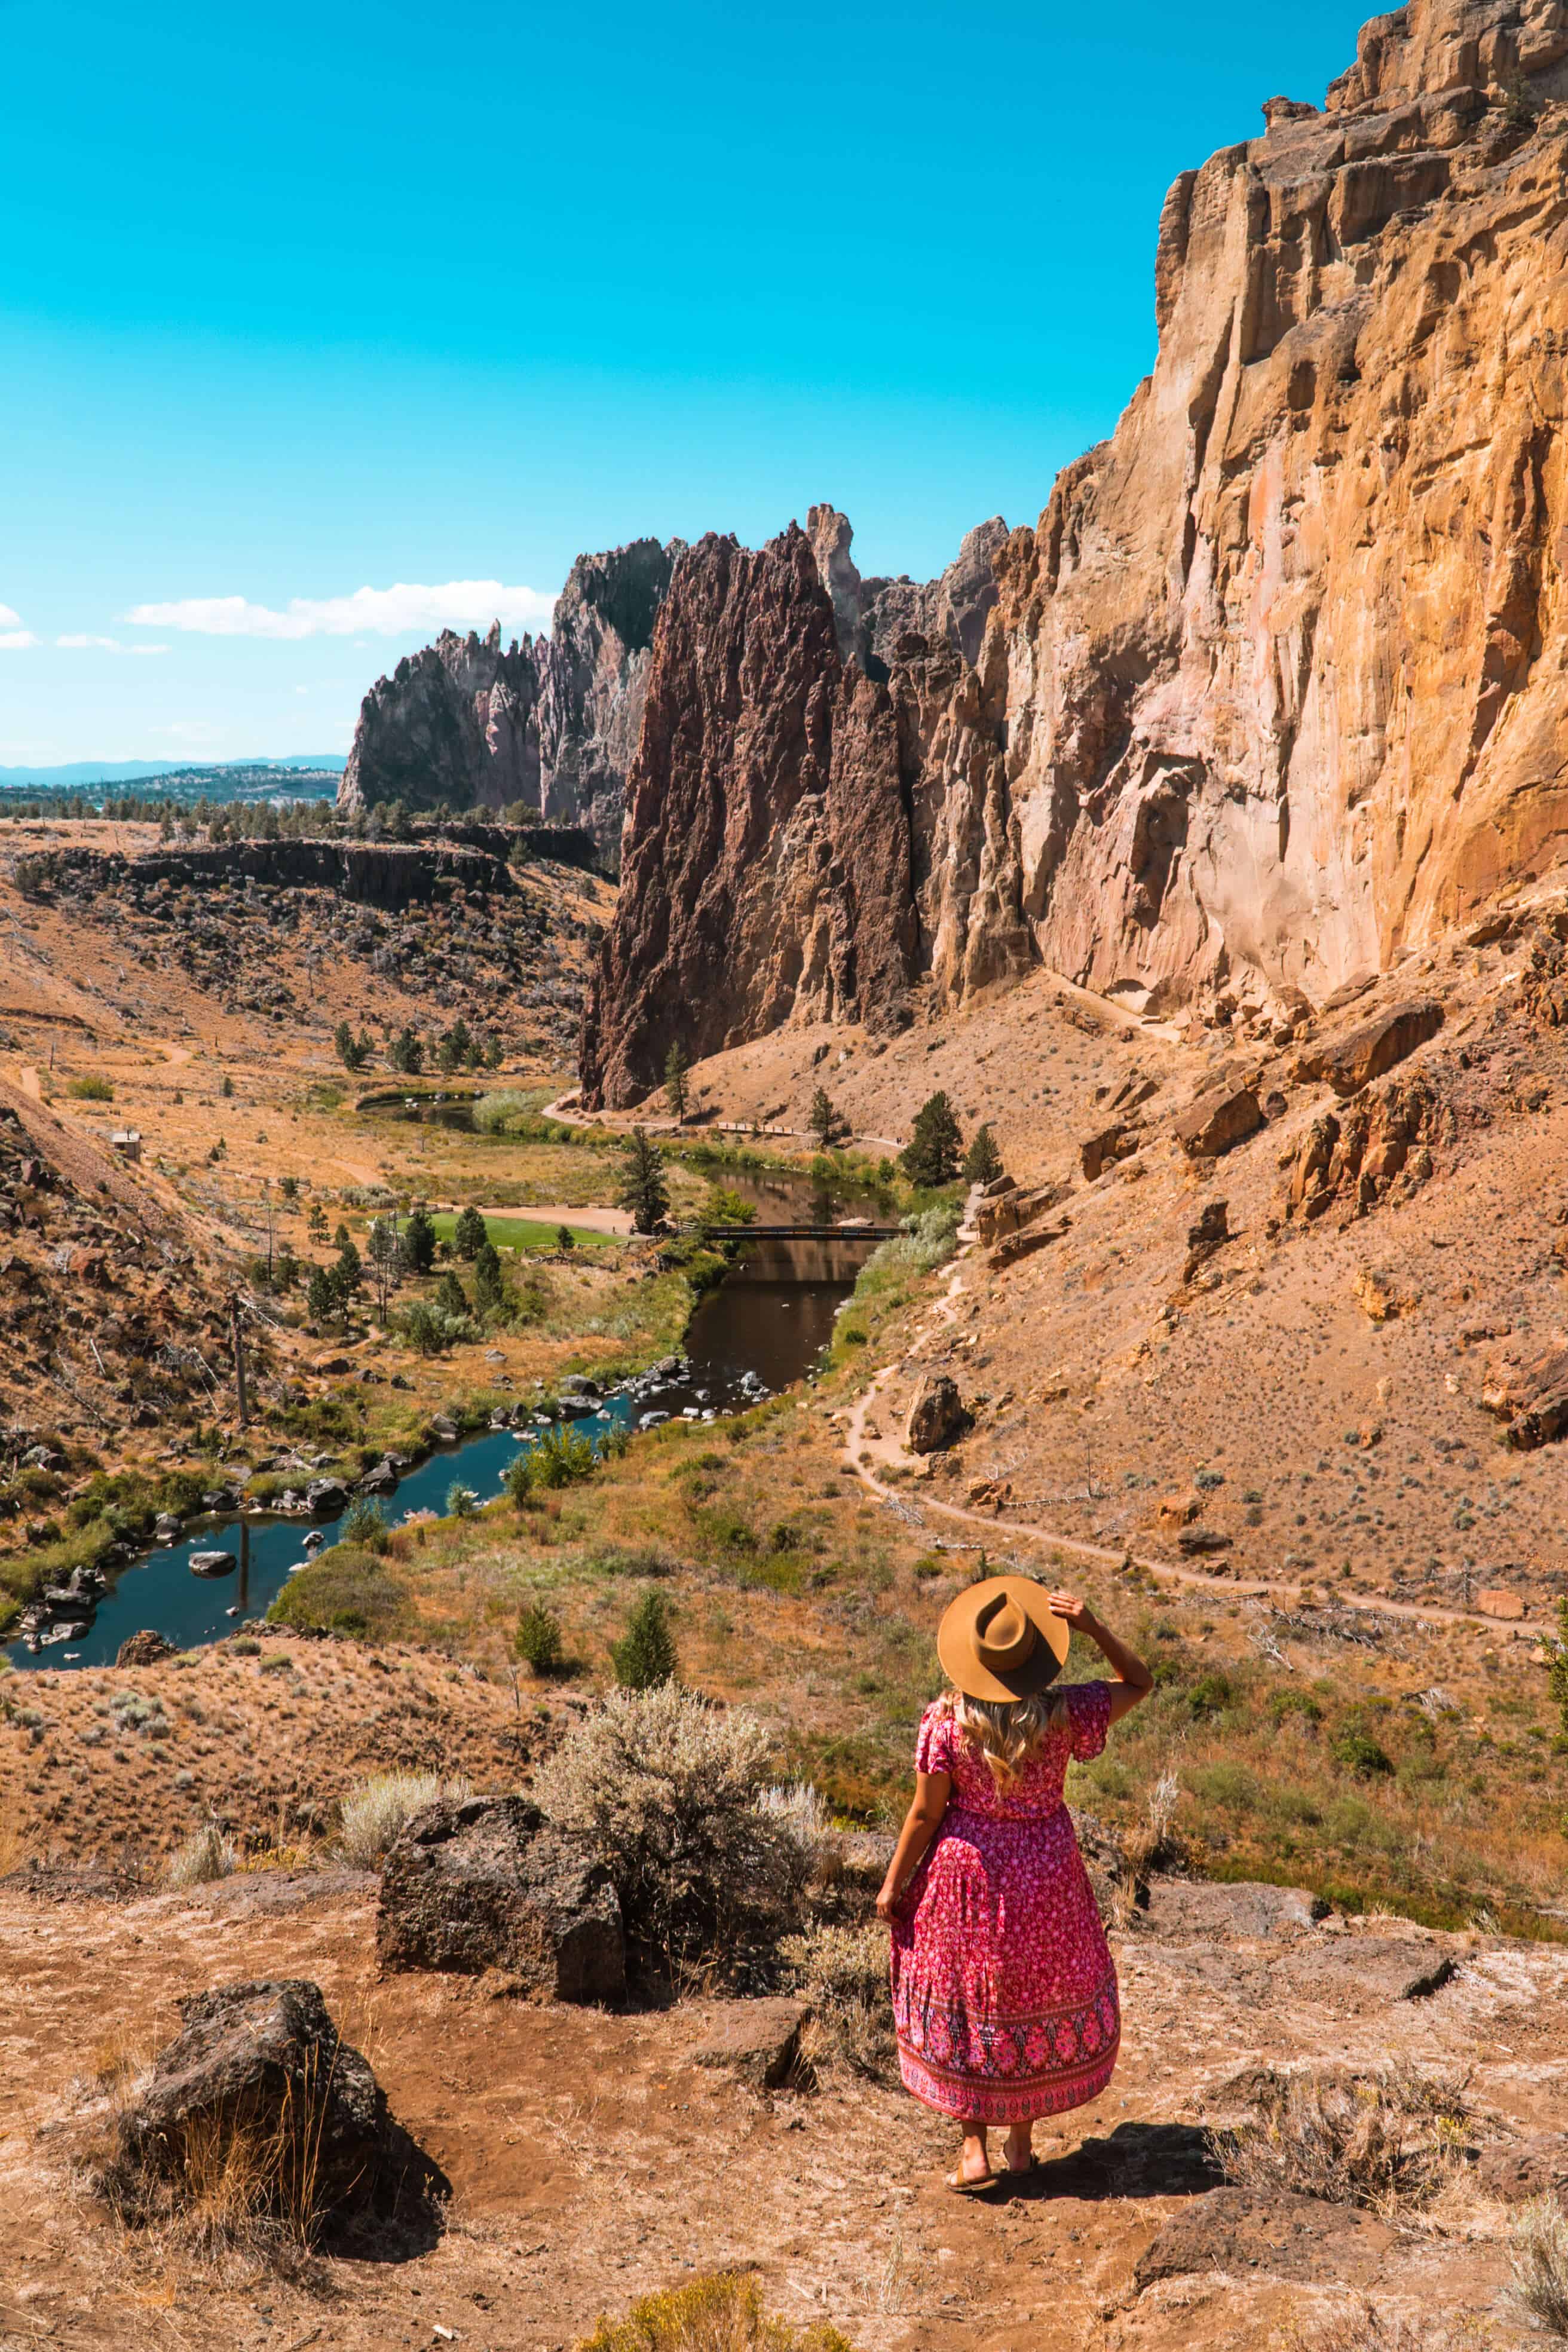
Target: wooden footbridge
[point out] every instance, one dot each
(851, 1232)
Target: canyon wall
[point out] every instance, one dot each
(552, 722)
(1274, 688)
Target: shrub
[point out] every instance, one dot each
(645, 1656)
(344, 1591)
(461, 1501)
(375, 1813)
(364, 1523)
(665, 1787)
(90, 1088)
(539, 1640)
(722, 2314)
(1210, 1695)
(843, 1971)
(469, 1236)
(1358, 1751)
(1540, 2267)
(206, 1855)
(1386, 2141)
(563, 1456)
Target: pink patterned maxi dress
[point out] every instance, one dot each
(1005, 1992)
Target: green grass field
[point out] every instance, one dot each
(524, 1233)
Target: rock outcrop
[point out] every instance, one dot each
(551, 722)
(488, 1884)
(1273, 689)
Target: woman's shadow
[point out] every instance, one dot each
(1137, 2161)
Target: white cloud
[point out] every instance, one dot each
(16, 641)
(405, 610)
(8, 620)
(80, 642)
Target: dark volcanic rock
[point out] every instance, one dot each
(593, 677)
(262, 2058)
(938, 1415)
(143, 1649)
(1288, 2237)
(488, 1885)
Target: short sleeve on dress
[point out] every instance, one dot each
(938, 1742)
(1090, 1707)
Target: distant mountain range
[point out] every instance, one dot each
(79, 773)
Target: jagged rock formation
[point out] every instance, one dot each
(552, 722)
(811, 824)
(1273, 689)
(456, 723)
(593, 676)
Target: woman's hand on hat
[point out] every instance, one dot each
(1071, 1607)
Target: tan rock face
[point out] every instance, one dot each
(1273, 689)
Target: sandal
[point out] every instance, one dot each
(1020, 2171)
(959, 2187)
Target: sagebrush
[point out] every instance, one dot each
(724, 2314)
(843, 1972)
(664, 1784)
(1540, 2267)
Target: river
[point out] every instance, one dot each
(761, 1330)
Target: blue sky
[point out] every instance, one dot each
(305, 302)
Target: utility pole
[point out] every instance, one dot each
(240, 1361)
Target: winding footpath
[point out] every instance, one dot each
(863, 1452)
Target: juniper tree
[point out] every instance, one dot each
(982, 1160)
(930, 1156)
(468, 1234)
(823, 1120)
(643, 1190)
(489, 1290)
(675, 1068)
(645, 1656)
(418, 1242)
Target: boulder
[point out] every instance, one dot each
(1249, 2235)
(1210, 1234)
(1520, 2170)
(1374, 1046)
(1541, 1412)
(264, 2059)
(938, 1415)
(1494, 1602)
(1023, 1245)
(758, 2041)
(143, 1649)
(1096, 1152)
(489, 1883)
(1217, 1122)
(326, 1495)
(1180, 1510)
(381, 1480)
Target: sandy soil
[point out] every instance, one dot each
(591, 2161)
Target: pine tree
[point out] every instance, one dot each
(407, 1054)
(489, 1290)
(450, 1296)
(468, 1234)
(675, 1068)
(321, 1298)
(418, 1242)
(347, 1275)
(644, 1191)
(644, 1655)
(823, 1120)
(930, 1156)
(982, 1160)
(564, 1238)
(385, 1247)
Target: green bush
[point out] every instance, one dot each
(539, 1638)
(90, 1088)
(722, 2314)
(364, 1524)
(645, 1656)
(1210, 1695)
(462, 1503)
(1358, 1751)
(344, 1590)
(563, 1456)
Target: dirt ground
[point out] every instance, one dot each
(591, 2161)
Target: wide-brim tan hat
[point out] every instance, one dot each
(1000, 1640)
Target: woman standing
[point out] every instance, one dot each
(1004, 1994)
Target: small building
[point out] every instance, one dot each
(127, 1141)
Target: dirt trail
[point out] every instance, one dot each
(862, 1450)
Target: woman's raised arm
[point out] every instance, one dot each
(1134, 1681)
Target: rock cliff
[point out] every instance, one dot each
(552, 722)
(1274, 689)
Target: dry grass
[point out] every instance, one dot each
(1390, 2141)
(844, 1972)
(224, 2186)
(1362, 2327)
(1540, 2267)
(722, 2314)
(206, 1855)
(377, 1811)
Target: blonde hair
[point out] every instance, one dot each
(1008, 1731)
